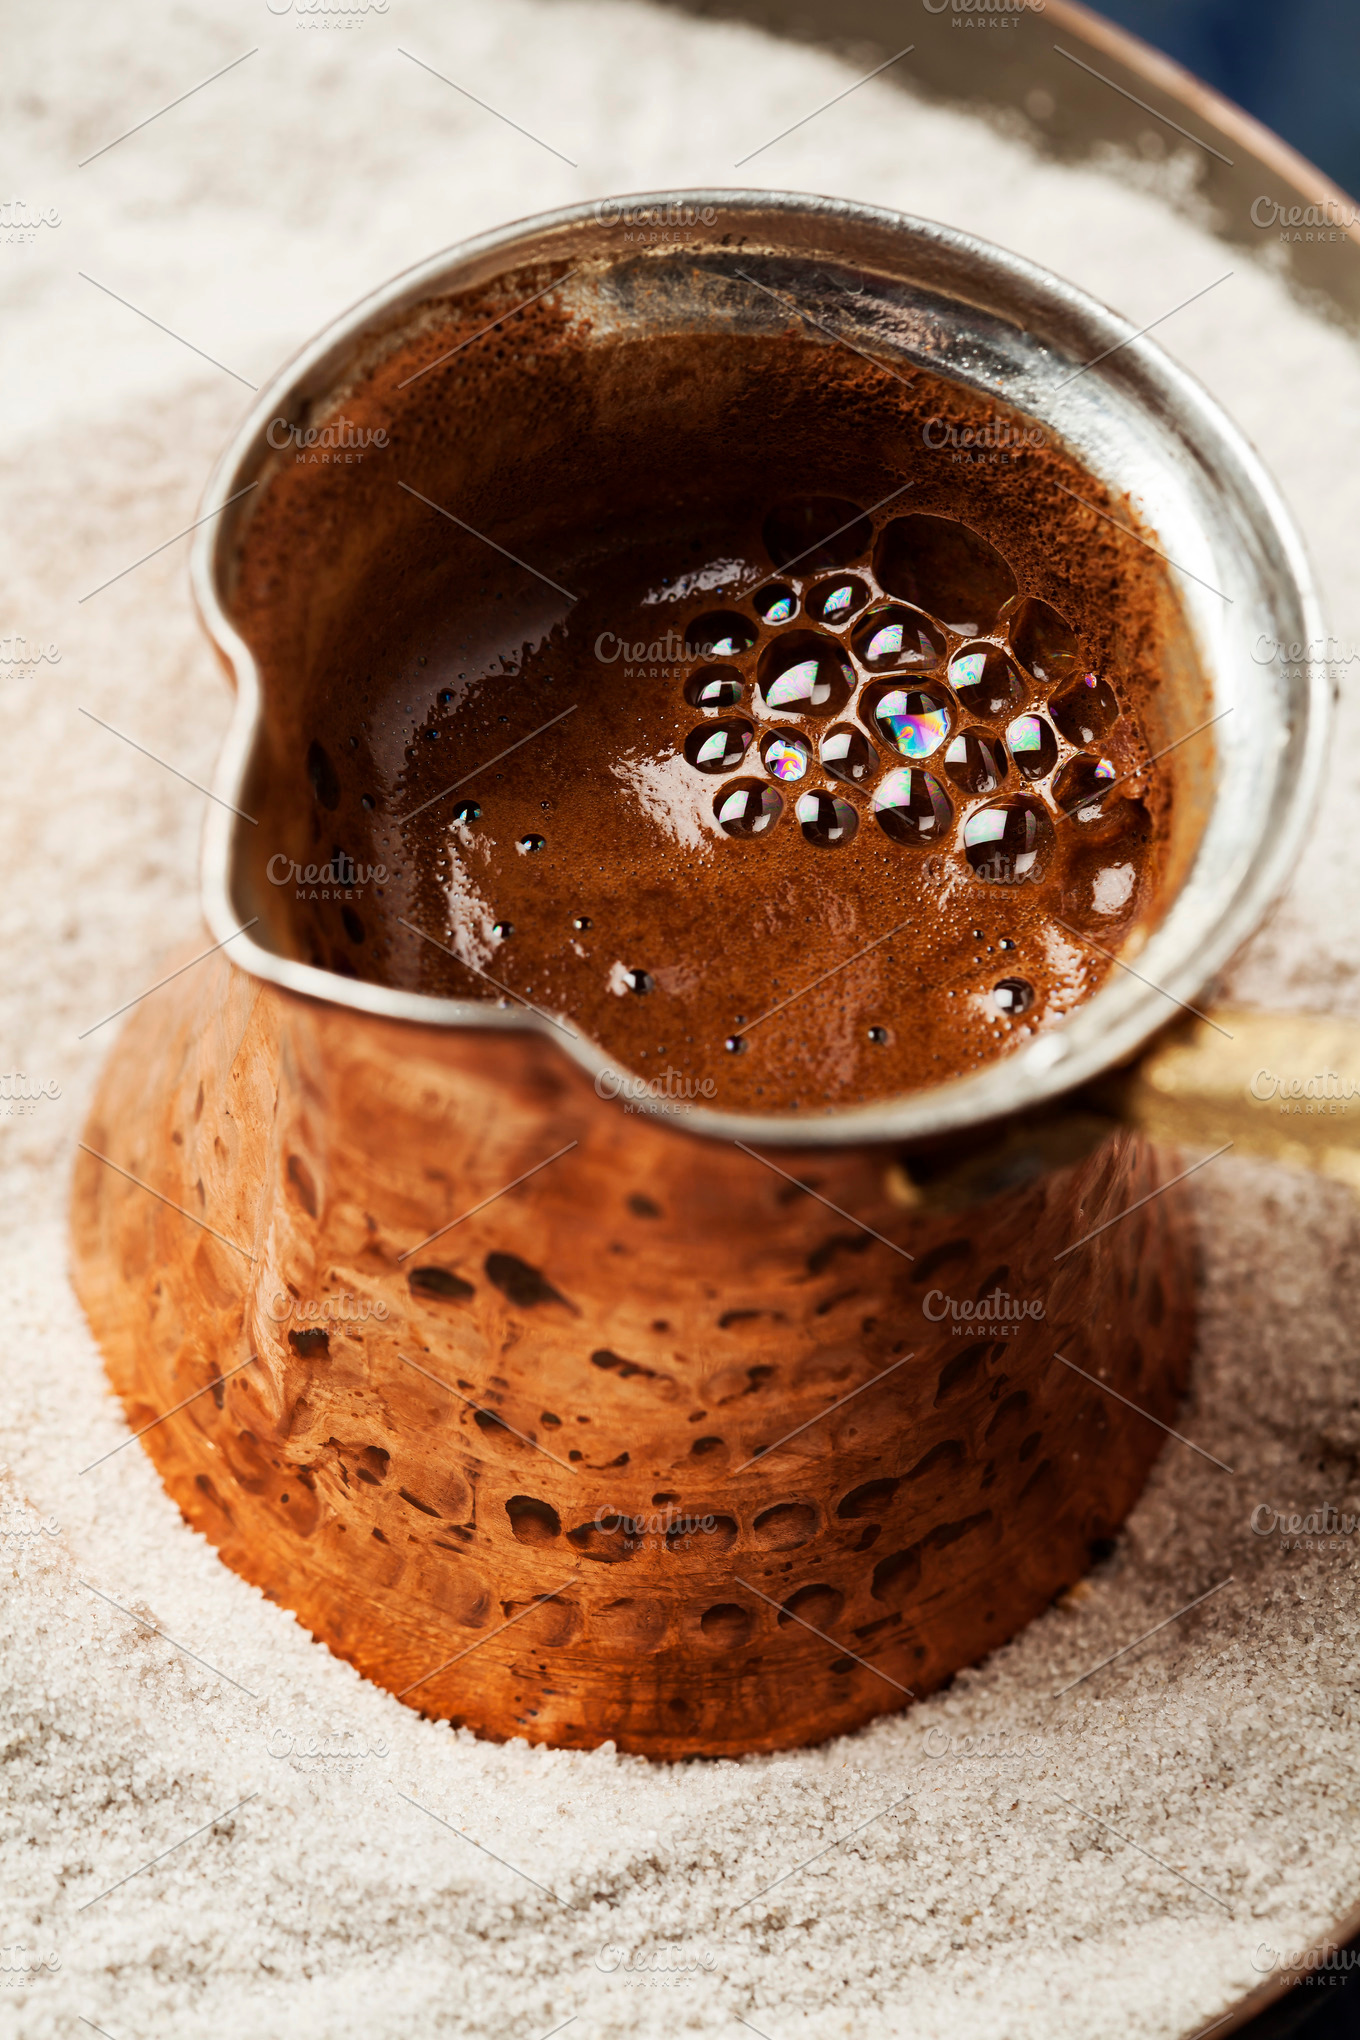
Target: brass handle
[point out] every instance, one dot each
(1285, 1086)
(1282, 1085)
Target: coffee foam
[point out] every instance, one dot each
(695, 545)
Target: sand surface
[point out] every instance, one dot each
(1000, 1888)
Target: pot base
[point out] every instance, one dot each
(654, 1448)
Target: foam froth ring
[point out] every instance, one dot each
(762, 674)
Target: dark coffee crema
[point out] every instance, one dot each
(768, 745)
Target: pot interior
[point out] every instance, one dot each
(497, 541)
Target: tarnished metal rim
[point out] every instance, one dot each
(1184, 953)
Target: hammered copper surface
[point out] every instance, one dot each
(653, 1311)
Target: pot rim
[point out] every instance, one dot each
(1195, 937)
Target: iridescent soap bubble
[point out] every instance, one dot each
(894, 636)
(945, 568)
(775, 603)
(1119, 824)
(914, 720)
(1079, 787)
(826, 819)
(722, 634)
(1086, 712)
(847, 754)
(1008, 842)
(747, 808)
(836, 601)
(1032, 745)
(639, 981)
(1042, 640)
(986, 681)
(718, 747)
(714, 687)
(975, 762)
(467, 810)
(911, 806)
(805, 674)
(1013, 996)
(785, 757)
(531, 842)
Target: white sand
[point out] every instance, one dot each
(1227, 1746)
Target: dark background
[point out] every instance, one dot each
(1295, 64)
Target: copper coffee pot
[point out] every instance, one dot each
(709, 1434)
